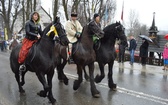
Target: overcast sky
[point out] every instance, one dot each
(144, 9)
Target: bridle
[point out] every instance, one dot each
(119, 31)
(54, 29)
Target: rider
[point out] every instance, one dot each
(73, 29)
(33, 33)
(95, 21)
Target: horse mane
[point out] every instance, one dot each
(110, 32)
(44, 32)
(47, 29)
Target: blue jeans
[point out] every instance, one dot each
(132, 56)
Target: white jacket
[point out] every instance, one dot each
(71, 28)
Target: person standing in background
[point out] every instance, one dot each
(165, 56)
(144, 52)
(132, 48)
(121, 55)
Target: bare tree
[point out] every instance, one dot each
(65, 5)
(75, 5)
(133, 24)
(144, 29)
(89, 7)
(29, 7)
(9, 11)
(27, 10)
(55, 8)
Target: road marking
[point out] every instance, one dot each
(137, 94)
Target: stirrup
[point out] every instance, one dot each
(22, 67)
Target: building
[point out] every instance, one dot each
(155, 48)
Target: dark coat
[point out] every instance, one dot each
(133, 44)
(32, 29)
(144, 49)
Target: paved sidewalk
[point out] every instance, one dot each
(137, 66)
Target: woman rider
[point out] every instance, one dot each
(33, 33)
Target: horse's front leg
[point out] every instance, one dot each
(110, 76)
(80, 78)
(61, 75)
(94, 91)
(50, 94)
(41, 77)
(22, 82)
(98, 77)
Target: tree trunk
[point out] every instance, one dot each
(65, 4)
(34, 7)
(55, 8)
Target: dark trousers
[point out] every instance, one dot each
(143, 60)
(121, 56)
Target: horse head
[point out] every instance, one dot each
(56, 30)
(120, 31)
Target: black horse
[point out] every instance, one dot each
(61, 60)
(106, 53)
(40, 59)
(83, 54)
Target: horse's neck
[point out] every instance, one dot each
(86, 39)
(109, 42)
(46, 44)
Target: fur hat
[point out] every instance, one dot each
(74, 14)
(96, 15)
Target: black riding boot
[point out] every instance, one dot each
(70, 60)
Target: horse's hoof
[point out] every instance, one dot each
(97, 78)
(66, 81)
(42, 93)
(53, 101)
(22, 94)
(22, 83)
(61, 80)
(22, 91)
(76, 85)
(96, 95)
(113, 87)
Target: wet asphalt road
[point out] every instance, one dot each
(136, 85)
